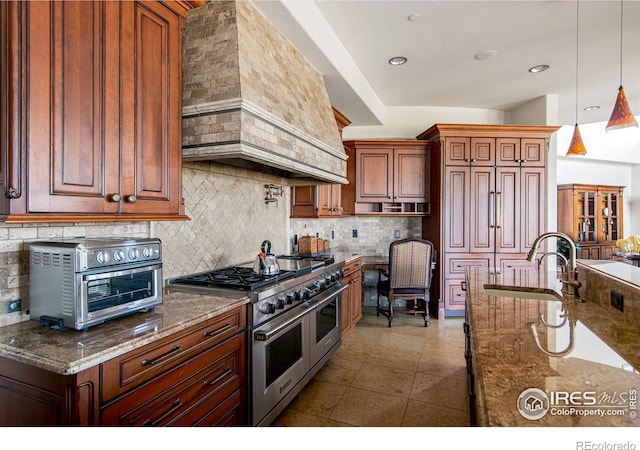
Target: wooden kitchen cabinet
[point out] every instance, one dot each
(197, 376)
(323, 200)
(94, 116)
(387, 178)
(592, 216)
(351, 300)
(488, 188)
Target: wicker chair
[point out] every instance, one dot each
(408, 278)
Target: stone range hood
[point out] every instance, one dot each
(250, 99)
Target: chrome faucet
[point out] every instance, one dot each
(569, 279)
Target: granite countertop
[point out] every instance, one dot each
(586, 349)
(69, 351)
(623, 272)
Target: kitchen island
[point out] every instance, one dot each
(183, 364)
(537, 359)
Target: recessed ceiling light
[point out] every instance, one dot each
(538, 68)
(485, 54)
(397, 60)
(592, 108)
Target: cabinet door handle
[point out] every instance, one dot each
(131, 198)
(492, 210)
(115, 198)
(174, 406)
(498, 209)
(151, 362)
(224, 373)
(216, 332)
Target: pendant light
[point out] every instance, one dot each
(577, 146)
(621, 117)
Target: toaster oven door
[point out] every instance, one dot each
(111, 294)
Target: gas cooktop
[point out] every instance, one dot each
(235, 277)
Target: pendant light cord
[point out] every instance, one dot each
(621, 15)
(577, 40)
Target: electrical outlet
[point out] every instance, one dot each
(617, 301)
(14, 306)
(396, 234)
(354, 233)
(333, 236)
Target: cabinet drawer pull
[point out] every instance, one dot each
(131, 198)
(218, 331)
(174, 406)
(224, 373)
(151, 362)
(115, 198)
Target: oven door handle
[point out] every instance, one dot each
(330, 293)
(327, 295)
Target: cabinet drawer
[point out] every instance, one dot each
(456, 265)
(124, 373)
(177, 395)
(232, 411)
(352, 267)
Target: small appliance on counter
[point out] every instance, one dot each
(78, 283)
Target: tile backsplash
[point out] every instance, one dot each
(374, 234)
(229, 220)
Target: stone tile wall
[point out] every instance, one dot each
(374, 233)
(14, 255)
(249, 94)
(229, 220)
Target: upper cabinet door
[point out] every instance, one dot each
(521, 152)
(409, 175)
(375, 175)
(73, 106)
(102, 84)
(152, 99)
(457, 151)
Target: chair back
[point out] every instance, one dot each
(410, 263)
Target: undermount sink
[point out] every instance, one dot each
(516, 292)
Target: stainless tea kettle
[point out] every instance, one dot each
(267, 263)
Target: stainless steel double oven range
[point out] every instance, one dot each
(294, 324)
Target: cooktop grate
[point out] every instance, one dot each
(240, 278)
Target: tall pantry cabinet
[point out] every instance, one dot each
(488, 193)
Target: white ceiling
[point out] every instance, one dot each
(351, 41)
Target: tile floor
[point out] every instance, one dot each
(403, 376)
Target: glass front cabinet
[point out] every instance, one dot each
(592, 216)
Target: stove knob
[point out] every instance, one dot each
(267, 308)
(303, 294)
(280, 303)
(118, 255)
(133, 253)
(334, 277)
(146, 252)
(102, 257)
(290, 298)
